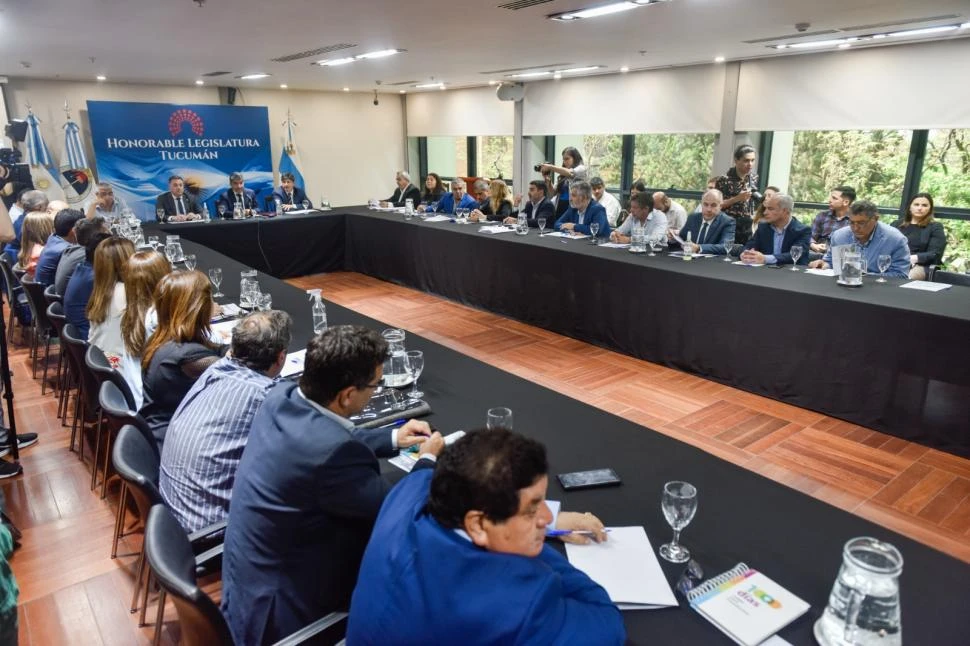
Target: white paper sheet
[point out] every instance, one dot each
(297, 211)
(821, 272)
(222, 332)
(564, 234)
(293, 364)
(926, 286)
(495, 229)
(748, 264)
(626, 566)
(615, 245)
(437, 218)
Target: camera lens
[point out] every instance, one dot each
(537, 168)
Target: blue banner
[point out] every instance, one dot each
(137, 147)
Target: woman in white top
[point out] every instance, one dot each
(107, 302)
(144, 271)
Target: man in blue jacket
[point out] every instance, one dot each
(308, 489)
(57, 244)
(583, 212)
(459, 555)
(289, 195)
(457, 197)
(777, 233)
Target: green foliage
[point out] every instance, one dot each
(603, 155)
(946, 168)
(673, 161)
(495, 157)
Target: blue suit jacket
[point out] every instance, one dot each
(49, 258)
(298, 196)
(594, 213)
(304, 500)
(447, 203)
(797, 233)
(12, 248)
(546, 209)
(421, 583)
(227, 198)
(720, 234)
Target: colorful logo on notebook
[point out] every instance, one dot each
(756, 596)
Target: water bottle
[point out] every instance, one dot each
(279, 207)
(688, 248)
(205, 212)
(319, 311)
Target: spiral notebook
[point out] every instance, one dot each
(746, 605)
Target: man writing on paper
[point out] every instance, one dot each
(459, 553)
(583, 212)
(641, 216)
(777, 233)
(875, 238)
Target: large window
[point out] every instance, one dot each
(448, 156)
(946, 168)
(673, 161)
(494, 155)
(871, 161)
(602, 155)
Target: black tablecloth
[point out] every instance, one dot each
(286, 247)
(791, 537)
(887, 358)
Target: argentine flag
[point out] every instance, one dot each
(40, 160)
(290, 158)
(76, 177)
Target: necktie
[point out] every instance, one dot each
(700, 238)
(289, 198)
(179, 208)
(239, 199)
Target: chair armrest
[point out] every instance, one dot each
(206, 532)
(313, 629)
(209, 561)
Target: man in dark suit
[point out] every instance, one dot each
(711, 231)
(176, 205)
(308, 489)
(405, 191)
(538, 206)
(776, 234)
(289, 195)
(583, 212)
(237, 194)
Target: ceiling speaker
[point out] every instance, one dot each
(510, 92)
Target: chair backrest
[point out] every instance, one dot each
(119, 412)
(52, 296)
(76, 348)
(10, 282)
(172, 561)
(136, 461)
(951, 278)
(101, 367)
(55, 314)
(37, 303)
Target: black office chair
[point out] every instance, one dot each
(87, 411)
(42, 328)
(16, 299)
(118, 414)
(174, 565)
(55, 313)
(101, 368)
(951, 278)
(135, 459)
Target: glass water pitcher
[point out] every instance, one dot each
(396, 372)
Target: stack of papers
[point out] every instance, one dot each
(680, 254)
(627, 567)
(926, 286)
(437, 218)
(748, 264)
(615, 245)
(297, 211)
(222, 332)
(565, 234)
(821, 272)
(495, 228)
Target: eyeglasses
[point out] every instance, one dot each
(373, 386)
(692, 575)
(859, 224)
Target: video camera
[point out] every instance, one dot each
(14, 175)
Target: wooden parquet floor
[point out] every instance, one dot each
(72, 592)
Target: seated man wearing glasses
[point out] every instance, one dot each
(874, 237)
(308, 489)
(459, 554)
(457, 198)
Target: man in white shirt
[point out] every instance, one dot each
(676, 214)
(604, 197)
(641, 214)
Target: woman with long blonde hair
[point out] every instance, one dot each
(107, 302)
(144, 271)
(179, 350)
(37, 228)
(498, 206)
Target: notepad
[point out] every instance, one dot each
(406, 460)
(222, 332)
(926, 286)
(293, 364)
(627, 567)
(746, 605)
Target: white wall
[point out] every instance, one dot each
(349, 147)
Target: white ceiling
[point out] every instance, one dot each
(455, 41)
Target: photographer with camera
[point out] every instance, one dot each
(740, 189)
(572, 169)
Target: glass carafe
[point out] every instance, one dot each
(396, 372)
(863, 607)
(851, 273)
(246, 280)
(173, 249)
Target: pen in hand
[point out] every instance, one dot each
(570, 532)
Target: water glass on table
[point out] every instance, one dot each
(885, 261)
(415, 360)
(679, 504)
(499, 417)
(796, 253)
(215, 275)
(190, 261)
(542, 226)
(264, 302)
(594, 228)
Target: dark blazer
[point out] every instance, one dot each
(298, 196)
(412, 193)
(797, 233)
(229, 200)
(546, 209)
(306, 494)
(594, 213)
(504, 210)
(720, 234)
(928, 243)
(166, 201)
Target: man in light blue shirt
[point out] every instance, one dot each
(641, 214)
(874, 238)
(210, 428)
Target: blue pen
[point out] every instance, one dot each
(568, 532)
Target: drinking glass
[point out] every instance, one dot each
(190, 261)
(415, 367)
(171, 253)
(728, 248)
(499, 418)
(884, 260)
(215, 275)
(679, 504)
(594, 228)
(657, 245)
(264, 302)
(542, 225)
(160, 214)
(222, 209)
(153, 241)
(305, 204)
(796, 253)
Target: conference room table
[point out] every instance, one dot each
(742, 517)
(890, 359)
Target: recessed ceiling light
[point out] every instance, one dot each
(601, 10)
(529, 75)
(492, 82)
(283, 86)
(575, 70)
(403, 91)
(718, 59)
(624, 69)
(346, 89)
(817, 44)
(845, 45)
(924, 32)
(253, 77)
(965, 25)
(441, 87)
(101, 77)
(337, 61)
(200, 82)
(557, 75)
(879, 36)
(383, 53)
(428, 86)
